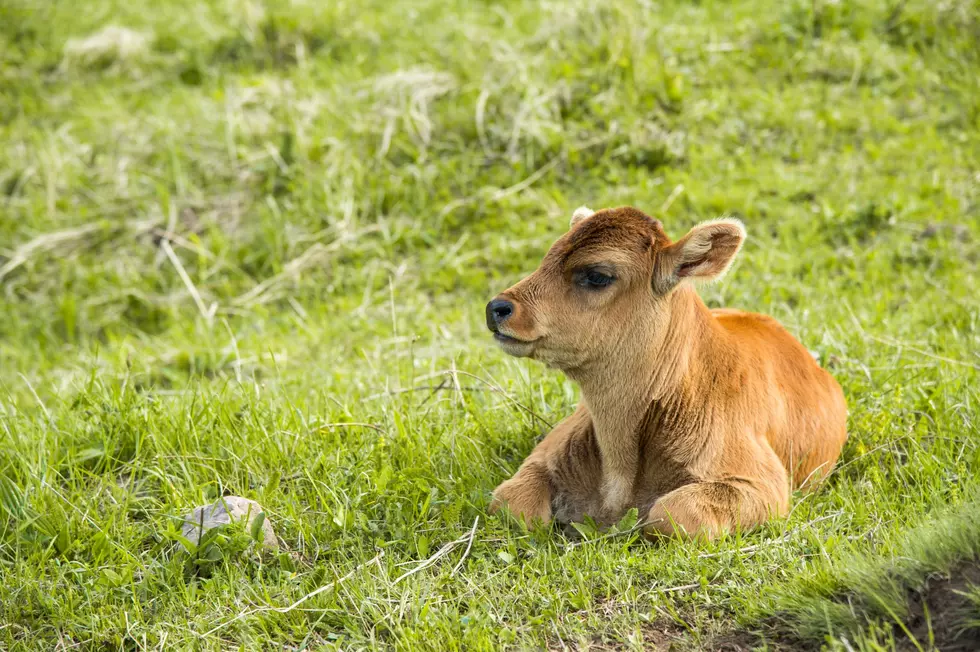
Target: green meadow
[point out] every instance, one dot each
(245, 249)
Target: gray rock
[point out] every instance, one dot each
(224, 511)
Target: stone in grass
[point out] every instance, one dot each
(111, 44)
(224, 511)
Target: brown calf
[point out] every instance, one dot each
(702, 419)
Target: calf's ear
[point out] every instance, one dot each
(704, 254)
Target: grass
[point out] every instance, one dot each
(245, 248)
(925, 596)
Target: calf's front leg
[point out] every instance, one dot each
(528, 495)
(708, 509)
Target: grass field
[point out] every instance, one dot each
(245, 249)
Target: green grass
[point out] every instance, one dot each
(344, 185)
(879, 603)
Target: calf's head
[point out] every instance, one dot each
(605, 283)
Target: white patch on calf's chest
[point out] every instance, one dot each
(617, 492)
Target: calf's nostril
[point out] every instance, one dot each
(498, 311)
(503, 310)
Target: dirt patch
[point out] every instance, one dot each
(668, 636)
(674, 638)
(742, 640)
(660, 636)
(941, 607)
(736, 642)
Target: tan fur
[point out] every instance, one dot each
(703, 420)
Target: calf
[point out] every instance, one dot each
(701, 419)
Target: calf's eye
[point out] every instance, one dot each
(594, 279)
